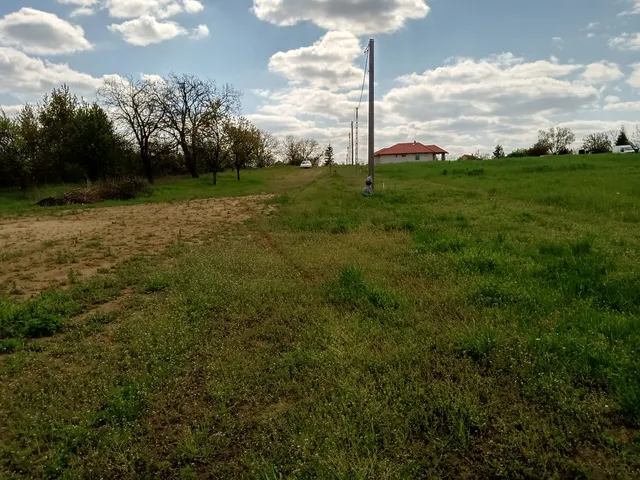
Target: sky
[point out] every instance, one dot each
(462, 74)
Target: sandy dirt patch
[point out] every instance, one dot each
(39, 252)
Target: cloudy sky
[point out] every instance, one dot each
(463, 74)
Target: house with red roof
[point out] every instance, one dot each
(409, 152)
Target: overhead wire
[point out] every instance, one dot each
(364, 80)
(364, 77)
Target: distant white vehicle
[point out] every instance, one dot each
(306, 164)
(623, 149)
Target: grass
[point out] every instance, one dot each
(174, 189)
(473, 326)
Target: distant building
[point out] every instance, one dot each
(468, 157)
(409, 152)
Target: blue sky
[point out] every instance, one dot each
(462, 74)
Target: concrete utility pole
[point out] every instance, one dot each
(371, 110)
(352, 149)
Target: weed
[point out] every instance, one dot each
(6, 256)
(478, 344)
(155, 285)
(51, 243)
(62, 258)
(95, 242)
(124, 405)
(352, 292)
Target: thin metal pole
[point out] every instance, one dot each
(352, 149)
(371, 110)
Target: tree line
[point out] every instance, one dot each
(150, 126)
(558, 141)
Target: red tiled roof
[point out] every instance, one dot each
(410, 149)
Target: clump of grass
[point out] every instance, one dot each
(430, 241)
(10, 345)
(40, 317)
(124, 406)
(62, 258)
(91, 325)
(95, 242)
(6, 256)
(478, 262)
(538, 169)
(51, 243)
(579, 271)
(156, 284)
(479, 344)
(476, 172)
(351, 291)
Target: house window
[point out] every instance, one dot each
(417, 157)
(403, 156)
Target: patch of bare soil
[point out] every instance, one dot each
(39, 252)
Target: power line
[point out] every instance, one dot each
(364, 77)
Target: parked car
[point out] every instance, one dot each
(306, 164)
(624, 149)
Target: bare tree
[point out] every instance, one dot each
(311, 151)
(562, 140)
(215, 140)
(635, 136)
(292, 150)
(185, 103)
(597, 143)
(242, 136)
(612, 134)
(298, 150)
(134, 106)
(266, 148)
(556, 141)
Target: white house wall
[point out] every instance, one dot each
(387, 159)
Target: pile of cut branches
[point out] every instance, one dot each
(124, 189)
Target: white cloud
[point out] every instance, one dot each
(635, 10)
(146, 30)
(490, 87)
(327, 63)
(309, 101)
(29, 78)
(591, 35)
(623, 107)
(602, 72)
(156, 8)
(152, 78)
(10, 110)
(592, 25)
(634, 78)
(464, 105)
(612, 99)
(356, 16)
(626, 41)
(83, 12)
(192, 6)
(79, 3)
(201, 31)
(41, 33)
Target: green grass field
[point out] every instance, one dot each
(471, 320)
(275, 180)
